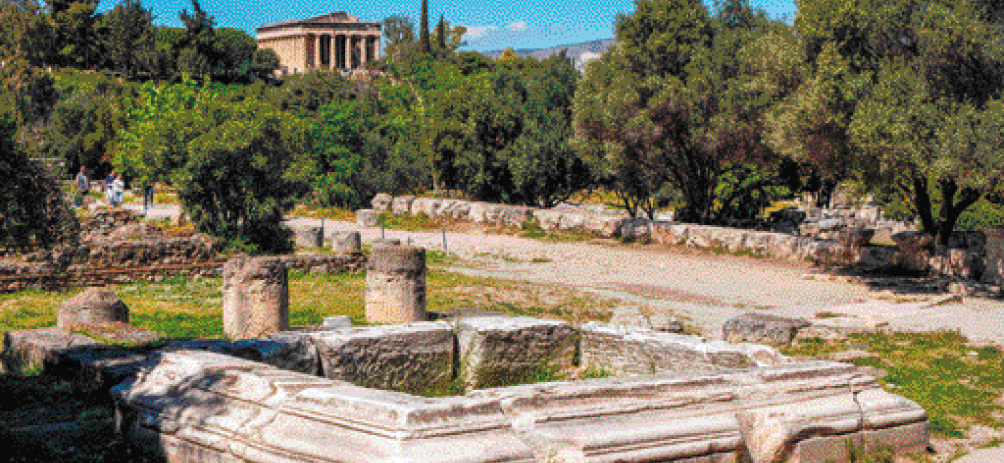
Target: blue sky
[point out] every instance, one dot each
(492, 24)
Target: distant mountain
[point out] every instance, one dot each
(580, 52)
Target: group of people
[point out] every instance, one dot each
(113, 187)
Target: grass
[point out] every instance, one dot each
(318, 212)
(409, 222)
(956, 383)
(828, 314)
(531, 229)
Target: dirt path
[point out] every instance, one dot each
(705, 289)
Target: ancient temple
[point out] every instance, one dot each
(335, 40)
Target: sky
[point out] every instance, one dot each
(491, 24)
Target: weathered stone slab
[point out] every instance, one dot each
(338, 321)
(497, 350)
(513, 216)
(409, 357)
(636, 229)
(762, 328)
(627, 349)
(916, 248)
(350, 242)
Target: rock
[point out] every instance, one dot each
(94, 305)
(141, 231)
(338, 321)
(309, 237)
(994, 272)
(503, 351)
(382, 202)
(367, 218)
(288, 350)
(916, 248)
(856, 237)
(628, 315)
(401, 205)
(350, 242)
(762, 328)
(956, 263)
(636, 229)
(604, 226)
(427, 206)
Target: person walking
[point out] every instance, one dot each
(109, 196)
(83, 187)
(118, 187)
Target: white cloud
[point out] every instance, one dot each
(517, 26)
(475, 32)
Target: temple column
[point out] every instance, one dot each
(312, 51)
(364, 43)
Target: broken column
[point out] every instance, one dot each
(350, 242)
(310, 237)
(395, 284)
(255, 297)
(94, 305)
(994, 272)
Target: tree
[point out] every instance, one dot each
(668, 107)
(128, 37)
(545, 167)
(195, 48)
(234, 183)
(903, 94)
(75, 33)
(265, 62)
(27, 33)
(424, 40)
(83, 127)
(398, 30)
(235, 51)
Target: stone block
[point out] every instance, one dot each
(646, 318)
(994, 272)
(633, 350)
(856, 237)
(957, 263)
(409, 357)
(382, 202)
(31, 349)
(916, 247)
(498, 350)
(513, 216)
(255, 297)
(395, 285)
(94, 305)
(878, 256)
(350, 242)
(762, 328)
(604, 226)
(548, 219)
(573, 221)
(636, 229)
(401, 205)
(367, 218)
(454, 209)
(309, 237)
(427, 206)
(338, 321)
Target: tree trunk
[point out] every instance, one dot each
(923, 203)
(950, 210)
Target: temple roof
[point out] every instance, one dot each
(324, 19)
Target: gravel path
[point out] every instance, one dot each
(705, 289)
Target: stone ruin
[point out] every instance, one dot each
(381, 392)
(345, 395)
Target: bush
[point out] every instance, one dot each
(234, 183)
